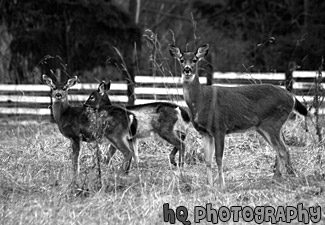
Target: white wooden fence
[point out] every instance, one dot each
(34, 100)
(235, 79)
(304, 88)
(151, 89)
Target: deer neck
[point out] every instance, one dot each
(58, 108)
(193, 94)
(106, 100)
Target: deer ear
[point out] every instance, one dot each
(202, 51)
(108, 85)
(71, 82)
(175, 51)
(102, 88)
(48, 81)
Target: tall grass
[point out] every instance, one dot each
(35, 178)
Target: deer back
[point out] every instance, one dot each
(237, 109)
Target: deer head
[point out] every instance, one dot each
(99, 97)
(188, 60)
(60, 91)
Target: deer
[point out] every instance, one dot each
(217, 111)
(168, 120)
(78, 124)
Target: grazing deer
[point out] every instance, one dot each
(77, 123)
(217, 111)
(166, 119)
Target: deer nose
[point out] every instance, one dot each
(187, 70)
(58, 95)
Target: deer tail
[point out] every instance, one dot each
(133, 125)
(300, 108)
(185, 115)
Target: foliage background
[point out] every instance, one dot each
(83, 33)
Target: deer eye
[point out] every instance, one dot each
(195, 60)
(92, 97)
(181, 60)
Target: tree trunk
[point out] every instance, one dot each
(306, 15)
(5, 53)
(134, 10)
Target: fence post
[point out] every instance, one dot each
(207, 68)
(130, 92)
(128, 74)
(288, 75)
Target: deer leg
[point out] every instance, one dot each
(124, 147)
(128, 153)
(134, 145)
(273, 137)
(181, 156)
(219, 141)
(171, 136)
(209, 148)
(285, 152)
(75, 143)
(181, 135)
(172, 155)
(268, 137)
(99, 177)
(136, 150)
(276, 163)
(111, 151)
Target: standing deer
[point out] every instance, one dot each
(217, 111)
(77, 123)
(166, 119)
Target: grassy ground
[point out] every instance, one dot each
(35, 178)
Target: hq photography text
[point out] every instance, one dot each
(258, 214)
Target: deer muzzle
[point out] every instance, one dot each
(187, 70)
(58, 96)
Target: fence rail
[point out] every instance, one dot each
(35, 99)
(150, 89)
(235, 79)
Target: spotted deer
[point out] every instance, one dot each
(167, 120)
(217, 111)
(77, 123)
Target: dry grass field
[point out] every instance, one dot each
(35, 178)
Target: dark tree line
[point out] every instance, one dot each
(83, 33)
(244, 35)
(297, 27)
